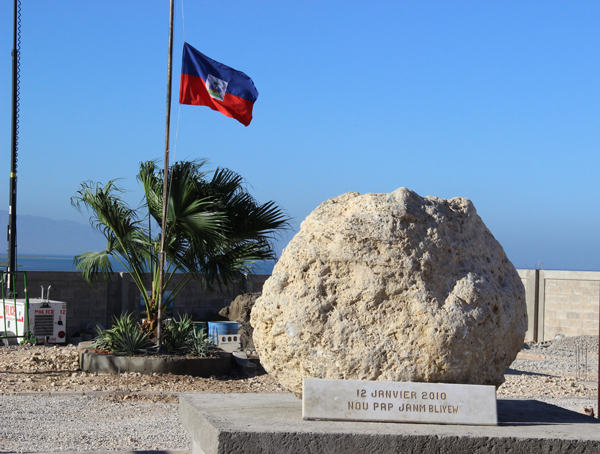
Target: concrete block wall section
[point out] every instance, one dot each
(203, 304)
(86, 304)
(568, 303)
(561, 302)
(528, 278)
(558, 302)
(192, 300)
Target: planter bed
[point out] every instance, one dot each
(101, 363)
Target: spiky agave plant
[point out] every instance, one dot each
(182, 337)
(199, 344)
(176, 334)
(124, 338)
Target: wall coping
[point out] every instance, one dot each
(570, 275)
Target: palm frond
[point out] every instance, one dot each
(91, 265)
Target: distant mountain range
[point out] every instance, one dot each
(42, 236)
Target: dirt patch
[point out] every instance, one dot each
(56, 369)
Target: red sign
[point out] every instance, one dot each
(44, 312)
(10, 313)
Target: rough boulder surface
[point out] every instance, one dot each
(392, 287)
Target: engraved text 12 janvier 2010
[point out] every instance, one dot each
(439, 403)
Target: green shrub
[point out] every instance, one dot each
(124, 338)
(199, 344)
(180, 337)
(176, 334)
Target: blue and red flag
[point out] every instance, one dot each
(205, 82)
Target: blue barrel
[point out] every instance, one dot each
(216, 329)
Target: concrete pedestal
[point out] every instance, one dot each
(272, 424)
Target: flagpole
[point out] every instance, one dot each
(165, 181)
(14, 145)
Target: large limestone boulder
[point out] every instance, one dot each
(391, 287)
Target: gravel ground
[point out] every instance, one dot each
(83, 423)
(564, 373)
(47, 405)
(129, 412)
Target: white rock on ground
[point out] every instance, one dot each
(391, 287)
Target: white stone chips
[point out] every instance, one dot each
(437, 403)
(391, 287)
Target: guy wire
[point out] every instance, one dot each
(178, 110)
(170, 182)
(183, 21)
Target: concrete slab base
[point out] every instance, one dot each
(272, 424)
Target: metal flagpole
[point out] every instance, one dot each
(12, 207)
(165, 180)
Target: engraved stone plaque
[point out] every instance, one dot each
(437, 403)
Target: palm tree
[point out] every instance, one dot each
(215, 230)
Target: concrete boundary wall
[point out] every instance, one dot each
(567, 303)
(561, 302)
(97, 305)
(558, 302)
(529, 279)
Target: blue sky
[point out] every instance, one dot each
(496, 101)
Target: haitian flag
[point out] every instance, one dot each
(205, 82)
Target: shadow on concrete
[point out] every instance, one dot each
(513, 412)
